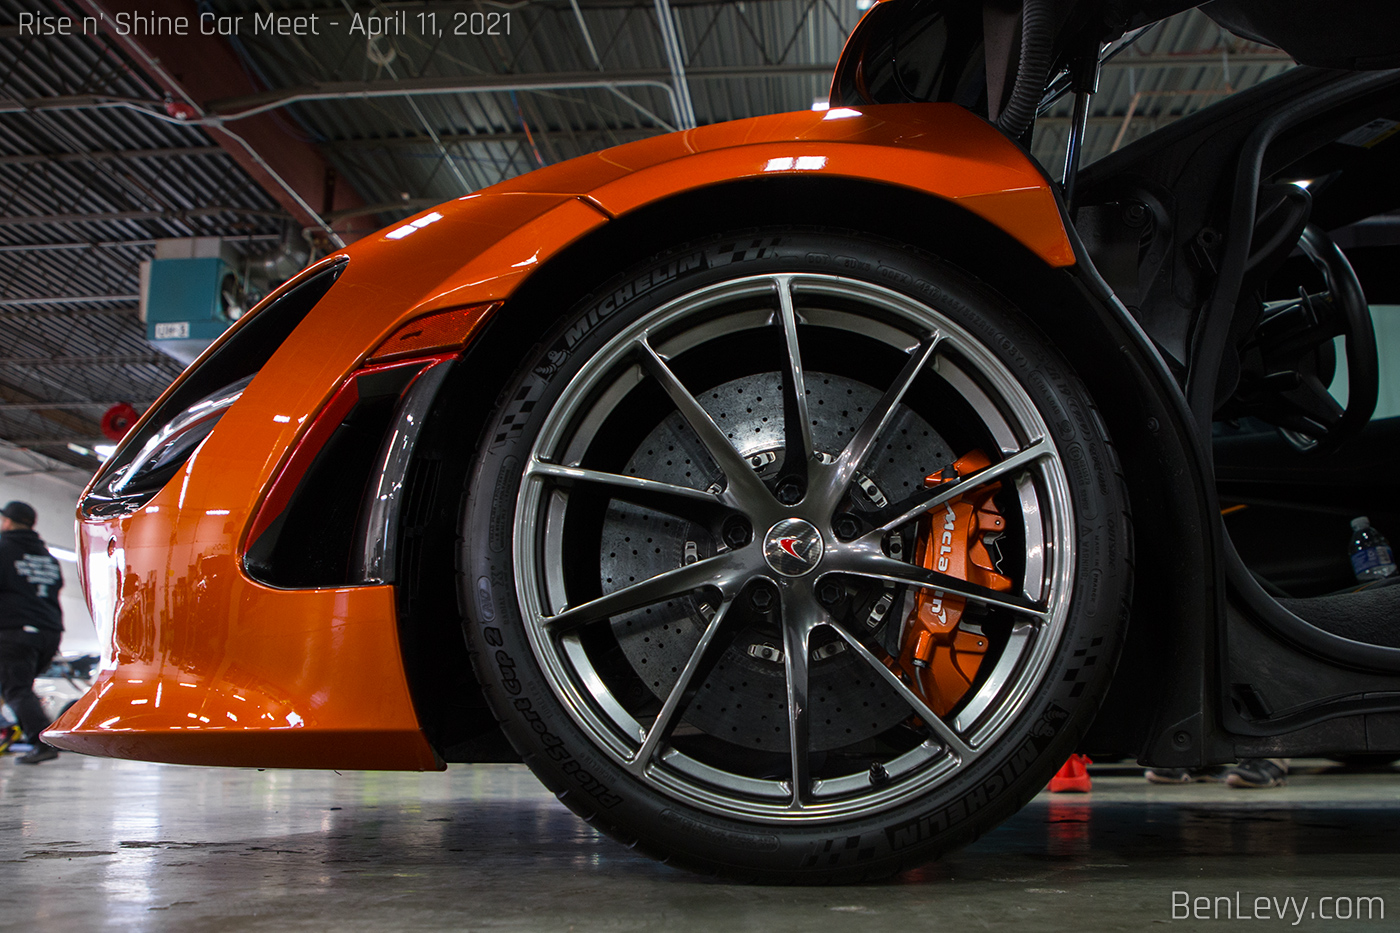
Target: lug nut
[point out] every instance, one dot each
(736, 532)
(789, 492)
(846, 526)
(761, 597)
(829, 593)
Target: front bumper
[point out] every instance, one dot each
(209, 667)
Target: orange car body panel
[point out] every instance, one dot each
(207, 666)
(940, 149)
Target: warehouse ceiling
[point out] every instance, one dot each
(283, 144)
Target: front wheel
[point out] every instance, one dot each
(796, 556)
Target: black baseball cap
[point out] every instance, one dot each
(20, 512)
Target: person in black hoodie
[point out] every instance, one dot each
(31, 622)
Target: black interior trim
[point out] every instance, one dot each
(1208, 348)
(1299, 631)
(1367, 615)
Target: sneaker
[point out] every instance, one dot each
(1258, 772)
(41, 753)
(1212, 775)
(9, 735)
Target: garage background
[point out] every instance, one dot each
(279, 145)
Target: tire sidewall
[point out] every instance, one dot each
(982, 793)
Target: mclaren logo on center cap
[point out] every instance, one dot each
(792, 547)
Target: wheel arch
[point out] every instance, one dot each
(1064, 302)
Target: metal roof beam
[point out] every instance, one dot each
(123, 244)
(40, 362)
(112, 310)
(82, 440)
(56, 247)
(58, 406)
(62, 419)
(675, 61)
(123, 155)
(68, 299)
(19, 220)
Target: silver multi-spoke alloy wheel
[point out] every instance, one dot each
(793, 554)
(793, 549)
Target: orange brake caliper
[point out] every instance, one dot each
(937, 656)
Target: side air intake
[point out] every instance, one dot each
(151, 455)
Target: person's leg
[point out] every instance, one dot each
(20, 654)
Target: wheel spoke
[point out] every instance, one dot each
(879, 418)
(683, 501)
(744, 484)
(702, 660)
(797, 424)
(896, 514)
(944, 732)
(797, 643)
(721, 571)
(678, 352)
(870, 562)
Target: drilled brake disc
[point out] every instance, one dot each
(744, 698)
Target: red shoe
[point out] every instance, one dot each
(1073, 776)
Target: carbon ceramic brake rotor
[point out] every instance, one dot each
(744, 698)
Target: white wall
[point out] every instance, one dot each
(53, 489)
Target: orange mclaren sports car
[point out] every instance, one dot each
(766, 487)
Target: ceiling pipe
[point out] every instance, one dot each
(681, 104)
(421, 87)
(587, 36)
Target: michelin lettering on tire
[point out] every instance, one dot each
(559, 691)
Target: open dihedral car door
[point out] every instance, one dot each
(997, 58)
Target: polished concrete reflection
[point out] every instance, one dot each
(89, 844)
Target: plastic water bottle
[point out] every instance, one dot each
(1371, 557)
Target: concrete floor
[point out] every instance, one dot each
(89, 844)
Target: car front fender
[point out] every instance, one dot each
(933, 149)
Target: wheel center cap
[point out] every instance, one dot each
(793, 547)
